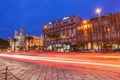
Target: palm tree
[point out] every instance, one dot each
(14, 41)
(28, 38)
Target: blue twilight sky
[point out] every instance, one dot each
(32, 14)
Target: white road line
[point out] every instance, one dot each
(59, 60)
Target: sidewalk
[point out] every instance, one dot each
(30, 71)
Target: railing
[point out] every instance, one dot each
(7, 72)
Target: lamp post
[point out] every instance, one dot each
(109, 31)
(85, 32)
(98, 11)
(63, 38)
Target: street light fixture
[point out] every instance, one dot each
(45, 26)
(84, 21)
(85, 26)
(98, 11)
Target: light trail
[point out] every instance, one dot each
(61, 60)
(117, 57)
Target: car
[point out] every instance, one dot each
(88, 51)
(116, 50)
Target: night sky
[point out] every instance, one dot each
(32, 14)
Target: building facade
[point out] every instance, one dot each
(18, 42)
(100, 33)
(35, 43)
(59, 35)
(77, 34)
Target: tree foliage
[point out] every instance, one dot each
(52, 35)
(28, 38)
(14, 40)
(4, 44)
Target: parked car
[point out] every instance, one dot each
(88, 51)
(116, 50)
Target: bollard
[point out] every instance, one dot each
(6, 73)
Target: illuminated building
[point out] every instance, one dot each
(77, 34)
(20, 42)
(59, 35)
(35, 43)
(101, 33)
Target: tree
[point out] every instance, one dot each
(4, 44)
(78, 46)
(118, 42)
(52, 35)
(107, 46)
(14, 41)
(29, 38)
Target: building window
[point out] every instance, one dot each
(112, 28)
(119, 28)
(106, 36)
(65, 22)
(31, 41)
(106, 22)
(94, 37)
(105, 29)
(119, 34)
(59, 24)
(71, 20)
(113, 35)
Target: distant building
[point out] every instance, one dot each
(21, 31)
(35, 43)
(20, 42)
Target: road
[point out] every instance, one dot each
(105, 67)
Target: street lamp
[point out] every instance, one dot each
(63, 38)
(84, 22)
(85, 26)
(109, 31)
(45, 26)
(98, 11)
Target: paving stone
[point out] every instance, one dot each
(30, 71)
